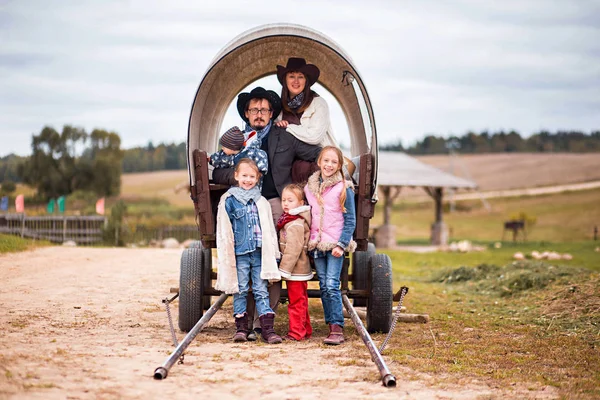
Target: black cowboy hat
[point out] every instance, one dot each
(259, 93)
(296, 64)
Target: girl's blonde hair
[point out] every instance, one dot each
(340, 157)
(250, 162)
(297, 190)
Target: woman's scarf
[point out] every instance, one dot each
(260, 133)
(296, 102)
(244, 196)
(286, 218)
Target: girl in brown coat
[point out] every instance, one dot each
(294, 231)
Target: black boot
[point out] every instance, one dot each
(241, 325)
(268, 333)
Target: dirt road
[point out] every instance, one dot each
(80, 323)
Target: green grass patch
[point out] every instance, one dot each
(416, 265)
(528, 323)
(155, 212)
(511, 279)
(11, 243)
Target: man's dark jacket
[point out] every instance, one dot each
(284, 148)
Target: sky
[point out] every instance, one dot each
(430, 67)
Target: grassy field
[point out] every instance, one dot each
(568, 216)
(159, 184)
(526, 324)
(10, 243)
(493, 320)
(519, 170)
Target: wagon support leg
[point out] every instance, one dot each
(387, 378)
(162, 371)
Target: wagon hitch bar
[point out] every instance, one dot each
(387, 378)
(162, 371)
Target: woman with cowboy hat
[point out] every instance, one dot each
(305, 114)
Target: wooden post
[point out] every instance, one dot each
(439, 232)
(387, 206)
(390, 194)
(438, 204)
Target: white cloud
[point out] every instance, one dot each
(430, 66)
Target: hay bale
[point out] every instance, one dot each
(170, 243)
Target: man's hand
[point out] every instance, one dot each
(282, 124)
(337, 251)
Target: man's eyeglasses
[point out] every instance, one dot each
(262, 111)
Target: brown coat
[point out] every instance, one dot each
(293, 241)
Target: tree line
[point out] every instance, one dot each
(503, 142)
(73, 159)
(155, 158)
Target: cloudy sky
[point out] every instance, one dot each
(431, 67)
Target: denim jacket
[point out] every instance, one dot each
(349, 220)
(242, 225)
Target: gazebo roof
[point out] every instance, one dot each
(400, 169)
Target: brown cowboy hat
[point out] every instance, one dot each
(258, 93)
(297, 64)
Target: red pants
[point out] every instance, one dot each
(300, 327)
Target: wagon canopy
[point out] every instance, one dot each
(255, 54)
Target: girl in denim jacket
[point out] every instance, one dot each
(247, 250)
(332, 225)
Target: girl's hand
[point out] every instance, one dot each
(282, 124)
(337, 251)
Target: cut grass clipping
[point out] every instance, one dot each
(510, 279)
(565, 297)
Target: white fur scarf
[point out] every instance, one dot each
(227, 281)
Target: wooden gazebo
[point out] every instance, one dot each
(397, 170)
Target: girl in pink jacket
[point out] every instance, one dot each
(333, 222)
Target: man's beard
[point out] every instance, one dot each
(258, 124)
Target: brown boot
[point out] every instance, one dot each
(336, 335)
(241, 325)
(268, 333)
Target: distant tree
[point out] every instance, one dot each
(514, 142)
(61, 163)
(159, 158)
(397, 146)
(9, 167)
(471, 142)
(155, 158)
(8, 187)
(106, 162)
(431, 145)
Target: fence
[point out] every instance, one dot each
(144, 234)
(82, 230)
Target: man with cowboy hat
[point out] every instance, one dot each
(259, 108)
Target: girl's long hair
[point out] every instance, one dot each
(340, 157)
(308, 96)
